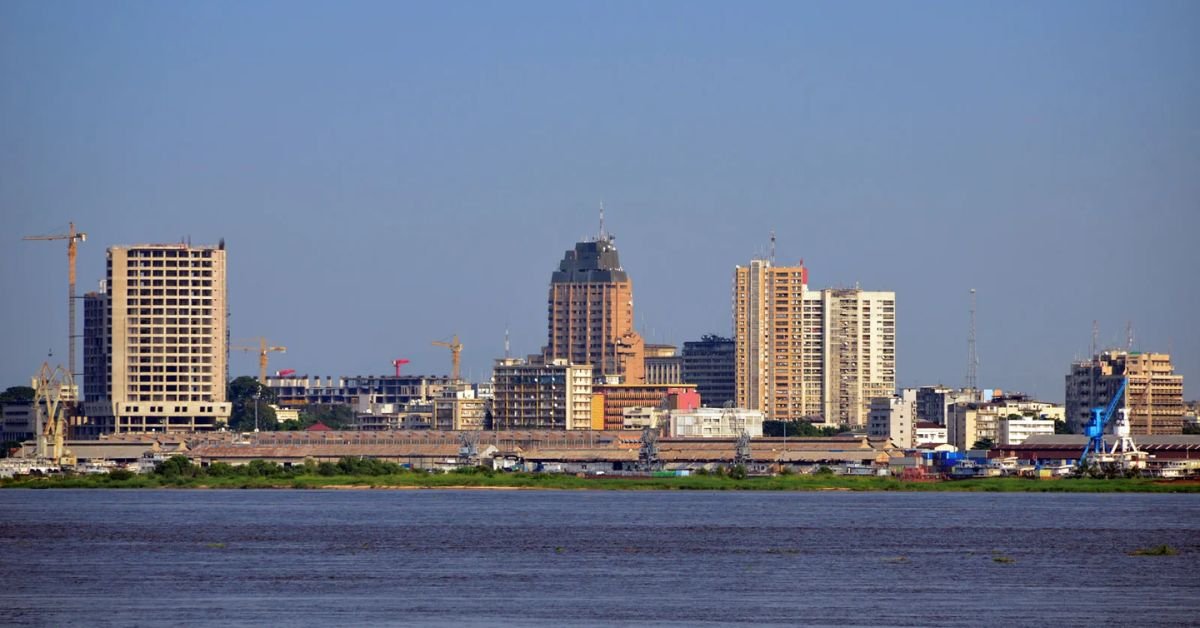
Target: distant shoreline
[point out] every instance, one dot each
(528, 481)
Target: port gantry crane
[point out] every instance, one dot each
(54, 392)
(73, 238)
(262, 350)
(1123, 450)
(455, 354)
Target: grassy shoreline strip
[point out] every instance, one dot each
(570, 482)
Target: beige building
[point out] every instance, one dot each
(1014, 431)
(814, 355)
(541, 395)
(1154, 397)
(715, 423)
(967, 423)
(664, 365)
(892, 417)
(459, 413)
(155, 341)
(591, 313)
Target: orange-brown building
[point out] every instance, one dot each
(610, 400)
(591, 313)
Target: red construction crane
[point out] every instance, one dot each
(398, 362)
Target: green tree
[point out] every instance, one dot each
(1060, 427)
(9, 446)
(177, 467)
(799, 428)
(17, 394)
(246, 393)
(984, 443)
(337, 416)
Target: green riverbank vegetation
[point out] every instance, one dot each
(179, 472)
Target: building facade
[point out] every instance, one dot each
(1014, 431)
(297, 391)
(715, 423)
(156, 341)
(709, 364)
(892, 418)
(970, 422)
(929, 433)
(541, 395)
(18, 421)
(591, 313)
(614, 399)
(664, 365)
(932, 402)
(1154, 397)
(814, 355)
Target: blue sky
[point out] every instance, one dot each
(388, 174)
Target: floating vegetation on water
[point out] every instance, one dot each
(559, 549)
(996, 557)
(789, 550)
(216, 545)
(896, 559)
(1157, 550)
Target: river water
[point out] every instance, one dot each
(552, 558)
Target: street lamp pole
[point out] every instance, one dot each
(257, 396)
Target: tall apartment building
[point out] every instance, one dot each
(814, 355)
(1154, 397)
(541, 395)
(860, 352)
(591, 313)
(155, 341)
(709, 364)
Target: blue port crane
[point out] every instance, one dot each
(1096, 425)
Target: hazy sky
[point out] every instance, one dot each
(388, 174)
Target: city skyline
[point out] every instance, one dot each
(1050, 170)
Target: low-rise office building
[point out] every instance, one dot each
(1014, 431)
(892, 417)
(542, 394)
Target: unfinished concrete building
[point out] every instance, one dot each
(155, 341)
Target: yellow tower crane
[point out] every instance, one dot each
(455, 354)
(73, 238)
(262, 350)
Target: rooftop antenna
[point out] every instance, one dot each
(601, 220)
(972, 356)
(1129, 336)
(772, 258)
(506, 348)
(1095, 336)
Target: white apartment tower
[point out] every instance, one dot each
(156, 341)
(815, 355)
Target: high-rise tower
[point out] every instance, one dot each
(155, 341)
(591, 313)
(806, 354)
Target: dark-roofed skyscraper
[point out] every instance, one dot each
(591, 313)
